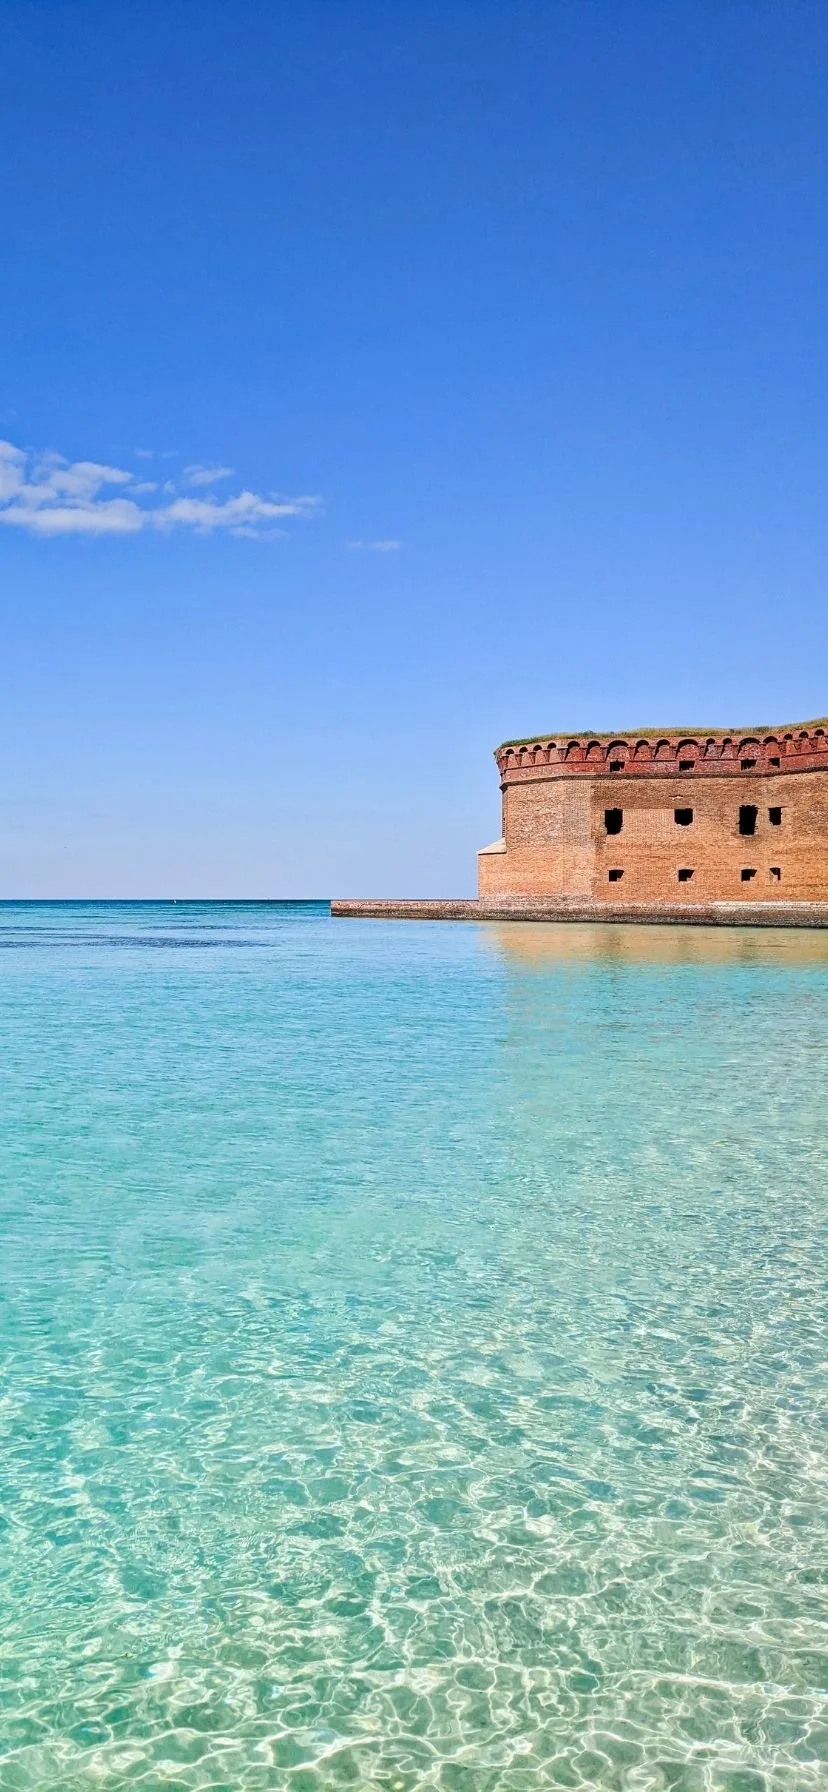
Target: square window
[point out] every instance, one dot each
(776, 873)
(775, 817)
(615, 876)
(613, 820)
(748, 873)
(775, 760)
(616, 765)
(748, 765)
(686, 765)
(684, 875)
(683, 817)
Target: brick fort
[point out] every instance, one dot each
(657, 817)
(693, 824)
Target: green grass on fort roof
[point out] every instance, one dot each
(627, 734)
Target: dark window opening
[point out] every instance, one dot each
(748, 765)
(775, 817)
(615, 877)
(613, 820)
(776, 872)
(747, 818)
(616, 765)
(748, 873)
(683, 817)
(684, 875)
(686, 765)
(775, 760)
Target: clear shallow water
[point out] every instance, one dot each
(413, 1353)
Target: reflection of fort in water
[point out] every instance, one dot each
(549, 945)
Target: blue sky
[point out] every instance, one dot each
(383, 380)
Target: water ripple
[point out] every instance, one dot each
(413, 1353)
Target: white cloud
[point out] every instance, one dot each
(45, 494)
(206, 475)
(376, 547)
(113, 516)
(246, 514)
(50, 477)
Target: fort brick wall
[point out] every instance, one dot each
(689, 816)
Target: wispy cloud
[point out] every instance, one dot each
(44, 494)
(206, 475)
(376, 547)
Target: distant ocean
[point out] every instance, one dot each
(413, 1348)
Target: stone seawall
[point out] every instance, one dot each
(685, 914)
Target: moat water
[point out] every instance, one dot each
(413, 1353)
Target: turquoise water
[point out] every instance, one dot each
(413, 1353)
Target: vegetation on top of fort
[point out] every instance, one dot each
(619, 734)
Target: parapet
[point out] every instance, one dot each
(654, 753)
